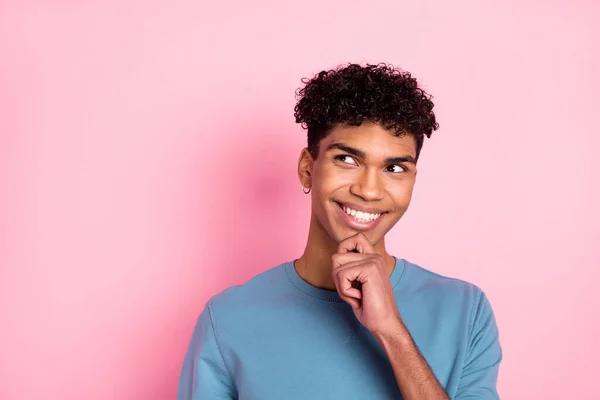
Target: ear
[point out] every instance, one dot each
(305, 167)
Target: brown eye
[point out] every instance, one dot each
(396, 168)
(345, 159)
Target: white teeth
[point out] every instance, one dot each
(361, 216)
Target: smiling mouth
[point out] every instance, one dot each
(360, 216)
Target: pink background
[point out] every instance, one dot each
(148, 158)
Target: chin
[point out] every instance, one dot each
(343, 234)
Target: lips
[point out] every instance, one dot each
(360, 218)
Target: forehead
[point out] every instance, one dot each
(373, 139)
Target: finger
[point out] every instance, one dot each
(355, 304)
(352, 293)
(357, 243)
(339, 259)
(358, 273)
(348, 280)
(351, 296)
(354, 301)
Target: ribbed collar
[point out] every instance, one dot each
(332, 295)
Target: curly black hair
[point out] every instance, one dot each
(353, 93)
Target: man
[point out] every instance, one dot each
(347, 320)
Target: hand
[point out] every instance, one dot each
(362, 280)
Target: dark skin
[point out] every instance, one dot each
(370, 168)
(370, 182)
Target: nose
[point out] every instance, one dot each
(368, 186)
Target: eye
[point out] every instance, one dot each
(396, 168)
(346, 159)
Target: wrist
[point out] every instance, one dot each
(394, 332)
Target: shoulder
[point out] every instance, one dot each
(438, 290)
(245, 310)
(261, 290)
(421, 278)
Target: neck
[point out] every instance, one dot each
(314, 266)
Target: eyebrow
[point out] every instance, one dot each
(362, 154)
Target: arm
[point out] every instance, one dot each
(374, 305)
(204, 374)
(480, 369)
(415, 378)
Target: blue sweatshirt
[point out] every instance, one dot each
(277, 337)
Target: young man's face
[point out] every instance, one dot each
(362, 181)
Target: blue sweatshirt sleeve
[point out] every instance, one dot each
(204, 374)
(480, 369)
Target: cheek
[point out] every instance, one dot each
(402, 194)
(321, 192)
(330, 180)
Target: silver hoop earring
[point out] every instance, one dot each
(304, 189)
